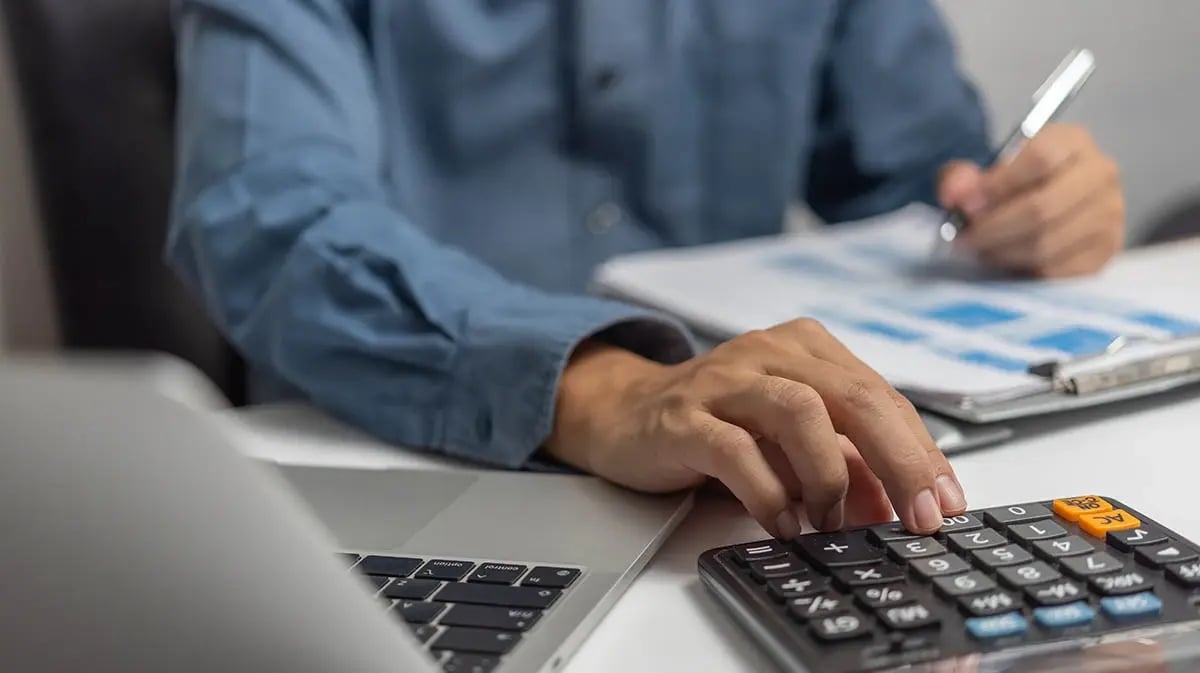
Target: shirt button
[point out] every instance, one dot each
(604, 217)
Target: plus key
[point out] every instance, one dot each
(829, 550)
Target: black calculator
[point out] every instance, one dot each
(1081, 583)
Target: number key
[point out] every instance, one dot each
(939, 566)
(1038, 530)
(1000, 557)
(962, 585)
(960, 523)
(1082, 567)
(1005, 516)
(976, 539)
(1030, 573)
(1072, 545)
(904, 550)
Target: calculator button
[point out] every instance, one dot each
(861, 576)
(960, 523)
(1072, 508)
(962, 585)
(838, 549)
(1128, 582)
(996, 626)
(889, 532)
(758, 551)
(903, 550)
(784, 566)
(1005, 516)
(1055, 593)
(1063, 616)
(1126, 540)
(1000, 557)
(878, 597)
(1082, 567)
(1098, 525)
(907, 617)
(1072, 545)
(990, 603)
(795, 587)
(1185, 574)
(1145, 604)
(1039, 530)
(1162, 554)
(821, 605)
(1028, 574)
(939, 566)
(976, 539)
(839, 627)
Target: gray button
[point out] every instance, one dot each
(604, 217)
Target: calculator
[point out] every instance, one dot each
(1080, 583)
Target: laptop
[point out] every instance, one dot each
(136, 539)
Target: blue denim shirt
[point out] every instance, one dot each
(394, 206)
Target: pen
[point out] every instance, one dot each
(1048, 101)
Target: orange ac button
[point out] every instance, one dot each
(1073, 508)
(1101, 523)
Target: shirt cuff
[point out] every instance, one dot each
(510, 362)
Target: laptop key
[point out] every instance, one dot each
(442, 569)
(388, 566)
(375, 583)
(547, 576)
(423, 632)
(486, 641)
(417, 612)
(349, 559)
(492, 594)
(489, 617)
(496, 573)
(407, 589)
(470, 663)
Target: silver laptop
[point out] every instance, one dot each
(133, 538)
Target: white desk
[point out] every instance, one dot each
(1147, 456)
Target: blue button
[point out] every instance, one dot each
(998, 626)
(1062, 616)
(1133, 605)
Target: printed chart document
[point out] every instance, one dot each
(943, 327)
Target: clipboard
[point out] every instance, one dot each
(1113, 375)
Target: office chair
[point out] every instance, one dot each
(97, 85)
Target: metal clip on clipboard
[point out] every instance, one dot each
(1116, 367)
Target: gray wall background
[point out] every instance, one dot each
(1141, 105)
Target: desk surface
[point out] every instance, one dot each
(1147, 454)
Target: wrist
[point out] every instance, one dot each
(594, 383)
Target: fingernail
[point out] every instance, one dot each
(835, 518)
(926, 511)
(950, 494)
(788, 525)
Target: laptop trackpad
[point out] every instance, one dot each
(372, 510)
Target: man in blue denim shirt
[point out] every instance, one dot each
(393, 207)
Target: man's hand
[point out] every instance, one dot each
(1054, 210)
(778, 415)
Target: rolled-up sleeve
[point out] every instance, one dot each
(281, 222)
(894, 108)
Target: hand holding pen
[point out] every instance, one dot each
(1051, 204)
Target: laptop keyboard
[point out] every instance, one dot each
(468, 613)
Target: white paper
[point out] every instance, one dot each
(934, 326)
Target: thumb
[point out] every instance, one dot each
(960, 187)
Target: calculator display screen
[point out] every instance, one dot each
(1169, 649)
